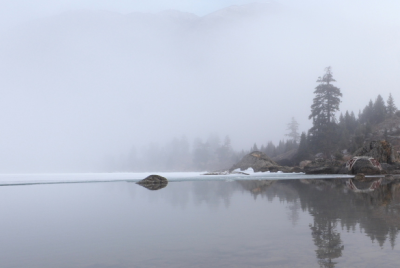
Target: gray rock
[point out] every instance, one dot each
(286, 159)
(364, 165)
(258, 161)
(380, 150)
(343, 169)
(391, 168)
(320, 170)
(296, 169)
(286, 169)
(323, 166)
(360, 177)
(153, 182)
(304, 163)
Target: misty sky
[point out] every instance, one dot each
(81, 80)
(17, 10)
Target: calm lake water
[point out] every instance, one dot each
(248, 223)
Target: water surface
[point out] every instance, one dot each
(243, 223)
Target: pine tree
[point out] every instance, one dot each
(350, 122)
(290, 145)
(254, 148)
(391, 107)
(327, 99)
(347, 127)
(325, 105)
(379, 110)
(341, 119)
(280, 149)
(270, 150)
(302, 152)
(367, 114)
(293, 127)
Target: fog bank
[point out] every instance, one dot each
(83, 85)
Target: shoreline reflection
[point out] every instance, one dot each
(374, 206)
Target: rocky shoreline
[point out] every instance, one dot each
(374, 158)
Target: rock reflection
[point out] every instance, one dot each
(374, 185)
(256, 187)
(153, 187)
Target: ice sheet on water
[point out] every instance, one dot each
(31, 179)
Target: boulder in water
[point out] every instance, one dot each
(154, 182)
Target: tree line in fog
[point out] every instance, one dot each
(329, 137)
(179, 154)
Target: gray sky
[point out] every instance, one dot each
(78, 85)
(15, 10)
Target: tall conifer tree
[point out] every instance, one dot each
(302, 152)
(391, 107)
(325, 105)
(379, 110)
(293, 128)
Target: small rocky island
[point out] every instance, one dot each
(153, 182)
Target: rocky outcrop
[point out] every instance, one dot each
(154, 182)
(364, 164)
(286, 159)
(388, 130)
(258, 161)
(304, 163)
(391, 169)
(325, 166)
(380, 150)
(383, 152)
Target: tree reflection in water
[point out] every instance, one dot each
(328, 241)
(332, 202)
